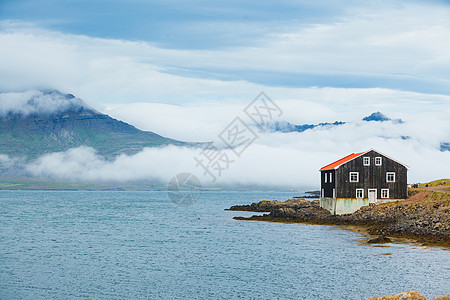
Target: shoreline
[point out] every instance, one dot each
(364, 230)
(422, 219)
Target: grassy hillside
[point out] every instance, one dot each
(33, 135)
(439, 182)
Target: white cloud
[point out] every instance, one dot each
(7, 161)
(30, 102)
(177, 93)
(203, 121)
(275, 159)
(406, 44)
(287, 160)
(84, 164)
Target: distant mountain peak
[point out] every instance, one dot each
(377, 116)
(285, 127)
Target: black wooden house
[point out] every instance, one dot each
(360, 179)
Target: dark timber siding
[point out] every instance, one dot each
(328, 186)
(369, 177)
(372, 177)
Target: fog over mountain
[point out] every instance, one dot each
(348, 76)
(39, 122)
(285, 127)
(39, 103)
(58, 136)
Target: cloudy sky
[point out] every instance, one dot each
(186, 70)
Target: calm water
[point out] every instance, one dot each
(138, 245)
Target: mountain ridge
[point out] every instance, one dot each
(286, 127)
(38, 128)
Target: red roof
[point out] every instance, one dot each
(341, 161)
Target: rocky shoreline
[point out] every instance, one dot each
(409, 295)
(424, 217)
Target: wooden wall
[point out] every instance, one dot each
(369, 177)
(328, 186)
(372, 177)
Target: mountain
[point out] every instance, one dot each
(50, 121)
(445, 147)
(285, 127)
(379, 117)
(376, 116)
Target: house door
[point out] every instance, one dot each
(372, 195)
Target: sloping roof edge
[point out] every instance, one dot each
(339, 162)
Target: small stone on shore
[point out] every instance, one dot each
(379, 240)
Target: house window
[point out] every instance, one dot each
(366, 161)
(331, 177)
(377, 161)
(326, 177)
(384, 193)
(390, 176)
(359, 193)
(354, 176)
(323, 193)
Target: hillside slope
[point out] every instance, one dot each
(29, 135)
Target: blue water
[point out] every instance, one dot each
(138, 245)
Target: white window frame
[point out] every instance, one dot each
(326, 177)
(366, 161)
(357, 176)
(362, 193)
(378, 161)
(387, 176)
(331, 177)
(383, 195)
(323, 193)
(334, 193)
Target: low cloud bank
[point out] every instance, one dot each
(289, 160)
(425, 116)
(85, 164)
(7, 162)
(285, 160)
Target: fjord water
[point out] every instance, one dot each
(138, 245)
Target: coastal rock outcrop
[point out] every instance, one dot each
(408, 295)
(379, 240)
(425, 215)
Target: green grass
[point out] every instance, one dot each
(30, 137)
(439, 182)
